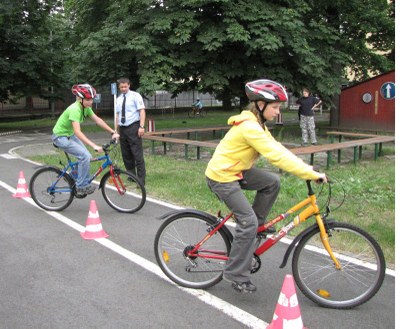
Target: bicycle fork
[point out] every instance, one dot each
(323, 234)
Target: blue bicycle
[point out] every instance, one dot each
(53, 188)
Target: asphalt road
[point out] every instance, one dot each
(52, 278)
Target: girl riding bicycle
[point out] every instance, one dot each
(231, 169)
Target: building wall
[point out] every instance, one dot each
(378, 114)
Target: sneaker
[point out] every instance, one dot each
(242, 286)
(88, 189)
(314, 143)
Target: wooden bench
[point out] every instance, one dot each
(355, 144)
(341, 134)
(185, 142)
(188, 131)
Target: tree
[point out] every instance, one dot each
(32, 48)
(217, 45)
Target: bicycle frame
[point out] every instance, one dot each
(311, 208)
(107, 163)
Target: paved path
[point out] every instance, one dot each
(52, 278)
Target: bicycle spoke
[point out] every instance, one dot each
(361, 273)
(174, 240)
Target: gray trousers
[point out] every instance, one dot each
(248, 217)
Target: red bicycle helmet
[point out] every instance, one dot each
(84, 91)
(265, 90)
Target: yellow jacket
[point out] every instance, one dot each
(243, 144)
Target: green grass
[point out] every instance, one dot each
(369, 190)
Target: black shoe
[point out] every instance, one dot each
(313, 143)
(88, 189)
(242, 286)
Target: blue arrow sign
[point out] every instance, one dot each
(388, 90)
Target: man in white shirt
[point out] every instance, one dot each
(131, 117)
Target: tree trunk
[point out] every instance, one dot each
(29, 103)
(226, 101)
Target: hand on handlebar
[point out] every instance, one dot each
(322, 179)
(115, 136)
(98, 148)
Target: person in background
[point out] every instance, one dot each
(198, 105)
(232, 169)
(68, 136)
(307, 104)
(131, 117)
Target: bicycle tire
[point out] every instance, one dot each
(181, 232)
(49, 191)
(362, 267)
(128, 196)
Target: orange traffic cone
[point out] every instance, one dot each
(94, 229)
(287, 312)
(22, 187)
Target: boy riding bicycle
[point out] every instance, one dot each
(67, 134)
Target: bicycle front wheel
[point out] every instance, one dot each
(123, 191)
(360, 276)
(191, 113)
(178, 235)
(50, 189)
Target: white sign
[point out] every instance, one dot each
(114, 88)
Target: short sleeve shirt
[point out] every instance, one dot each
(73, 113)
(133, 104)
(306, 104)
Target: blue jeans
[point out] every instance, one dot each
(74, 146)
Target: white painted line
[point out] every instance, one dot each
(232, 311)
(8, 156)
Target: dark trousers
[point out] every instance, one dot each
(132, 150)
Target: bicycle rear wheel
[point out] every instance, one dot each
(362, 267)
(50, 190)
(176, 236)
(123, 191)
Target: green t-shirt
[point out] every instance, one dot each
(73, 113)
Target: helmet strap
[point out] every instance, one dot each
(259, 109)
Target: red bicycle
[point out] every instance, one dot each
(335, 264)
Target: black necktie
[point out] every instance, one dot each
(123, 110)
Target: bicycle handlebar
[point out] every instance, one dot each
(106, 147)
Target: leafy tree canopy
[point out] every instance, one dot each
(211, 45)
(31, 52)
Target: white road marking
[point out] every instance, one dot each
(232, 311)
(8, 156)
